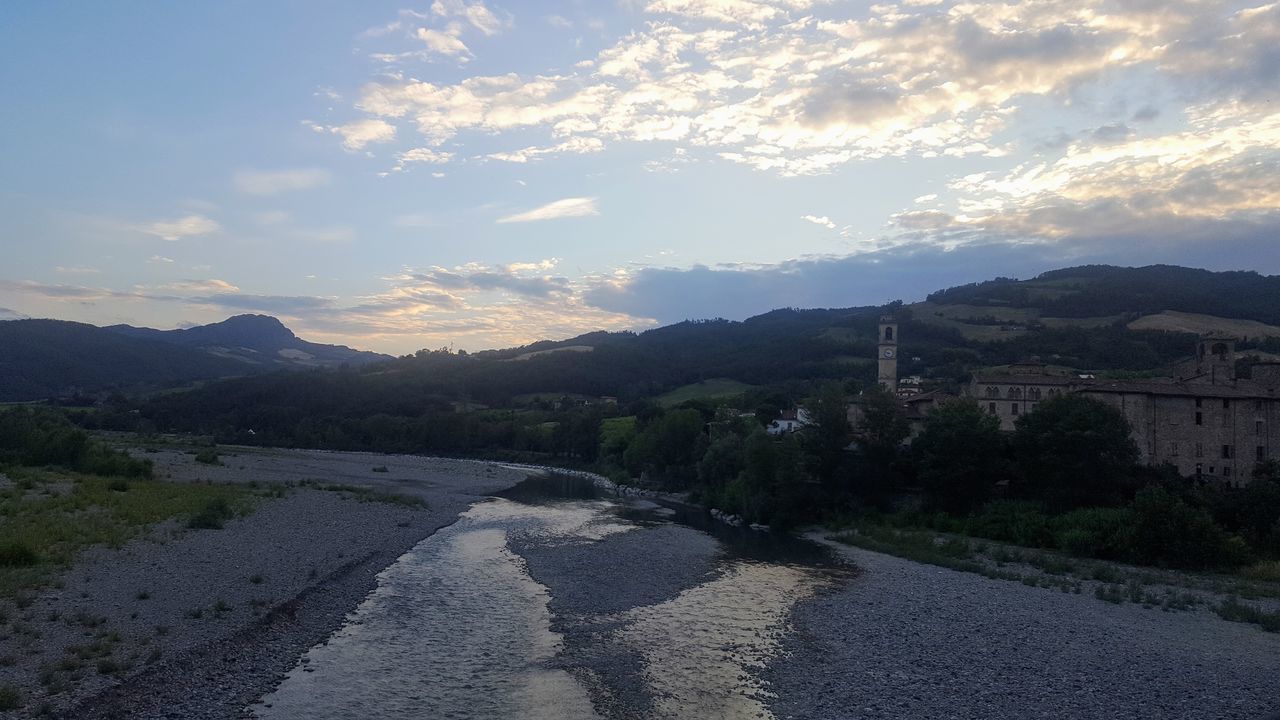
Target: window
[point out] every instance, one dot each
(1226, 404)
(1226, 452)
(1034, 393)
(1173, 449)
(1015, 392)
(1262, 453)
(1199, 403)
(1257, 405)
(1199, 418)
(993, 391)
(1226, 472)
(888, 333)
(1199, 469)
(991, 407)
(1213, 470)
(1257, 427)
(1199, 449)
(1014, 408)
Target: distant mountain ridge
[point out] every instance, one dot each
(55, 358)
(254, 339)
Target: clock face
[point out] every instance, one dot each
(888, 353)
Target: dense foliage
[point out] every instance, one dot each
(34, 436)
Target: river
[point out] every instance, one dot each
(460, 628)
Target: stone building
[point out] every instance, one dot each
(1205, 421)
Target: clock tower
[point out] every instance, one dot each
(887, 354)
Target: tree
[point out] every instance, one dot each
(881, 431)
(959, 455)
(826, 439)
(1074, 451)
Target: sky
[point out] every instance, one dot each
(486, 173)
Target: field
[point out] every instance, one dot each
(713, 389)
(1196, 324)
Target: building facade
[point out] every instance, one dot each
(1205, 421)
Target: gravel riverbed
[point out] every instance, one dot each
(905, 640)
(200, 623)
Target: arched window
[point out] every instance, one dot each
(993, 391)
(888, 333)
(1015, 393)
(1034, 393)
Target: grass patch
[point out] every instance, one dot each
(10, 697)
(1236, 611)
(17, 554)
(212, 515)
(41, 534)
(208, 457)
(364, 494)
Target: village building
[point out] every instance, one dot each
(790, 421)
(1204, 421)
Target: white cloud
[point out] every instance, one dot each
(444, 42)
(566, 208)
(186, 226)
(575, 146)
(361, 133)
(765, 84)
(822, 220)
(77, 270)
(159, 259)
(274, 182)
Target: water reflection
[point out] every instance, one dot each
(458, 629)
(455, 629)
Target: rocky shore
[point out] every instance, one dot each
(200, 623)
(905, 640)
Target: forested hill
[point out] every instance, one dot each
(255, 339)
(53, 358)
(1103, 290)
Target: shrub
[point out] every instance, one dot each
(212, 516)
(1169, 532)
(17, 553)
(10, 697)
(1020, 523)
(1235, 611)
(1096, 532)
(208, 457)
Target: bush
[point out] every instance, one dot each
(208, 457)
(10, 697)
(16, 553)
(1096, 532)
(212, 516)
(1170, 533)
(1020, 523)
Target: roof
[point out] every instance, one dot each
(1014, 379)
(1245, 389)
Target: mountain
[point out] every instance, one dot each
(259, 340)
(55, 358)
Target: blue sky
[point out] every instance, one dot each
(480, 173)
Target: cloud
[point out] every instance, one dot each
(444, 42)
(274, 182)
(823, 220)
(159, 259)
(566, 208)
(77, 270)
(576, 146)
(361, 133)
(7, 314)
(421, 156)
(183, 227)
(783, 87)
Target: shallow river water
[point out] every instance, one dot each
(457, 627)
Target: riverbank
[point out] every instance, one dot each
(199, 623)
(903, 639)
